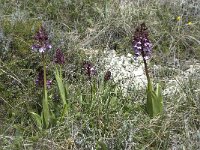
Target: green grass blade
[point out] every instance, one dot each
(159, 98)
(37, 119)
(64, 111)
(45, 112)
(61, 86)
(45, 104)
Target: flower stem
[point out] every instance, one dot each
(45, 77)
(45, 99)
(146, 68)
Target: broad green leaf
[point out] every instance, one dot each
(61, 86)
(159, 98)
(149, 105)
(45, 111)
(53, 118)
(154, 100)
(45, 104)
(64, 111)
(101, 146)
(37, 119)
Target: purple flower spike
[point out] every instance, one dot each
(89, 69)
(41, 35)
(59, 57)
(42, 41)
(141, 43)
(107, 76)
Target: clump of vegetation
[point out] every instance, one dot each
(143, 46)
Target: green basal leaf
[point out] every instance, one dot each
(45, 104)
(45, 111)
(154, 101)
(159, 98)
(149, 105)
(63, 91)
(37, 119)
(61, 86)
(53, 118)
(64, 111)
(101, 146)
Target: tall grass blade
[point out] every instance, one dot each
(62, 90)
(45, 104)
(45, 111)
(37, 119)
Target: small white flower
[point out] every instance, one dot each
(42, 49)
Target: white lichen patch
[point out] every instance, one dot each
(126, 71)
(129, 73)
(173, 86)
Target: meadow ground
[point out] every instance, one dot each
(88, 113)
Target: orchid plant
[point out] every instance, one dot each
(143, 47)
(59, 60)
(47, 117)
(42, 45)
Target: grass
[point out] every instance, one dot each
(100, 116)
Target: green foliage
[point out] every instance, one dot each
(20, 32)
(101, 146)
(83, 13)
(62, 90)
(38, 119)
(45, 111)
(61, 86)
(50, 118)
(43, 121)
(154, 104)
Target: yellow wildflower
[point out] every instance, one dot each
(189, 23)
(178, 18)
